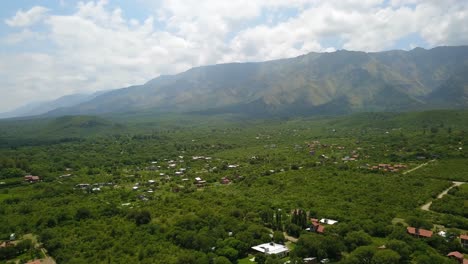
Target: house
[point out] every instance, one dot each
(272, 249)
(455, 255)
(442, 233)
(320, 229)
(225, 180)
(383, 165)
(464, 240)
(31, 178)
(328, 221)
(310, 260)
(199, 182)
(419, 232)
(316, 226)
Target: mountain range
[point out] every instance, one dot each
(42, 107)
(316, 83)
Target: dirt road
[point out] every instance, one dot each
(426, 207)
(420, 166)
(289, 238)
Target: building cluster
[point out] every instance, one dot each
(388, 167)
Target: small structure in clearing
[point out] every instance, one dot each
(272, 249)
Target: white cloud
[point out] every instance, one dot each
(22, 36)
(444, 24)
(27, 18)
(96, 47)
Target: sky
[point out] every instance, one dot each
(51, 48)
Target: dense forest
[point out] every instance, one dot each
(206, 189)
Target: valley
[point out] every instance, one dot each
(234, 132)
(206, 189)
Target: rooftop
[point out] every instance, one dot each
(455, 254)
(419, 232)
(328, 221)
(271, 248)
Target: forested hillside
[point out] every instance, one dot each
(144, 188)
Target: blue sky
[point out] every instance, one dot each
(52, 48)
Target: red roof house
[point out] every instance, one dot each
(418, 232)
(457, 256)
(225, 180)
(320, 229)
(31, 178)
(316, 226)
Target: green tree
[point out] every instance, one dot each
(260, 258)
(356, 239)
(386, 256)
(401, 248)
(364, 254)
(221, 260)
(11, 173)
(82, 213)
(228, 252)
(278, 237)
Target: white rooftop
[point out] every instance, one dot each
(328, 221)
(271, 248)
(442, 234)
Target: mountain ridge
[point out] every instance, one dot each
(42, 107)
(341, 81)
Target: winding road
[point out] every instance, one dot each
(426, 207)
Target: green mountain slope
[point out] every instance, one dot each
(336, 82)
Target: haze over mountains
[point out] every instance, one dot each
(38, 108)
(315, 83)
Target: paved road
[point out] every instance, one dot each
(426, 207)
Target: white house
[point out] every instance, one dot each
(328, 221)
(272, 249)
